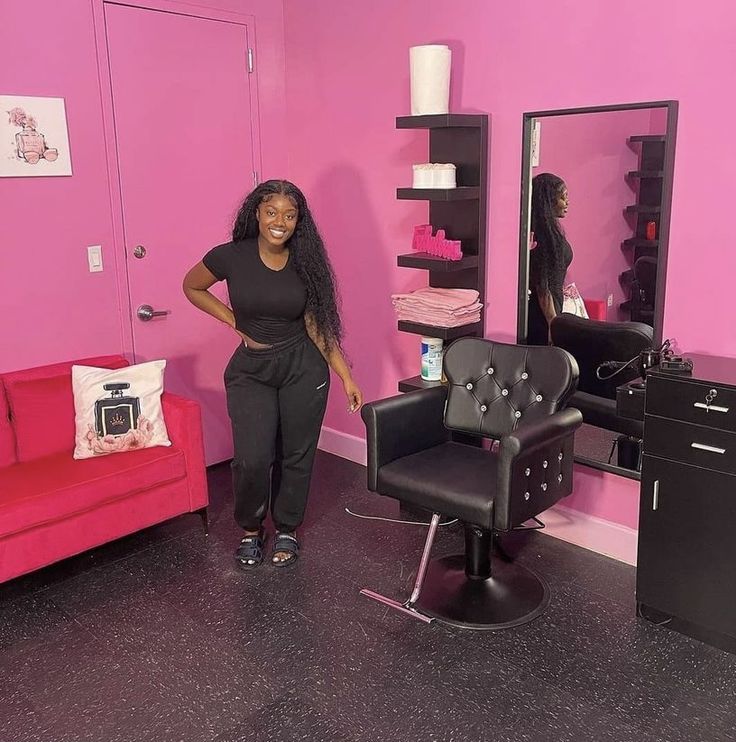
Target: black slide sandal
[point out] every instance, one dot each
(249, 553)
(284, 542)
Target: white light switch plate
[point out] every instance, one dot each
(94, 258)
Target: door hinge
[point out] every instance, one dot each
(250, 60)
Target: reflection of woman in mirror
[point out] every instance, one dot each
(550, 258)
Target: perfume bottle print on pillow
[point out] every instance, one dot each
(119, 425)
(30, 144)
(116, 415)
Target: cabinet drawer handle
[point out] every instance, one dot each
(710, 407)
(703, 447)
(655, 497)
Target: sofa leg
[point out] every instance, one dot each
(205, 520)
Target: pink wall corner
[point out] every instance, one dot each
(347, 78)
(52, 308)
(591, 154)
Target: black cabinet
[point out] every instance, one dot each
(686, 572)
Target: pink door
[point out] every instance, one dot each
(181, 99)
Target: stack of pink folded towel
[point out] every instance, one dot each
(439, 307)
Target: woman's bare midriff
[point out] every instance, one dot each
(249, 343)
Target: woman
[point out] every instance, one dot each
(284, 308)
(549, 259)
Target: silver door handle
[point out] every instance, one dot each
(710, 407)
(703, 447)
(655, 497)
(145, 313)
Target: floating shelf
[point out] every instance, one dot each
(441, 121)
(444, 333)
(461, 193)
(645, 174)
(423, 260)
(416, 382)
(648, 138)
(643, 209)
(640, 242)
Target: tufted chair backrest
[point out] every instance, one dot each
(495, 387)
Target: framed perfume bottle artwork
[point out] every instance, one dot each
(34, 140)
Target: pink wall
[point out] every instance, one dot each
(51, 307)
(590, 153)
(347, 78)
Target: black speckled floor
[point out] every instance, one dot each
(160, 637)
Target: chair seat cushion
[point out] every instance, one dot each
(55, 487)
(456, 480)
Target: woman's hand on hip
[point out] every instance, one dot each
(354, 395)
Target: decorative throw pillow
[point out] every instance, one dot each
(118, 410)
(572, 301)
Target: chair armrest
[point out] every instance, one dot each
(184, 425)
(545, 450)
(402, 425)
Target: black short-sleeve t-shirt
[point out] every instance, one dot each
(268, 305)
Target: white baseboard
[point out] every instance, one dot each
(344, 445)
(602, 536)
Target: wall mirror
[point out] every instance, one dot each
(595, 213)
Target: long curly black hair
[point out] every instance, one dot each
(547, 258)
(306, 250)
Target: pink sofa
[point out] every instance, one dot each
(52, 506)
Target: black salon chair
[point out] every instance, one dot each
(592, 343)
(515, 396)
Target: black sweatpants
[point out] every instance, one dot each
(276, 399)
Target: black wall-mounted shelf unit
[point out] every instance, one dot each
(642, 253)
(460, 139)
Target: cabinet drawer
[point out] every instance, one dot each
(684, 399)
(708, 448)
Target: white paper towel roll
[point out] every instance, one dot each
(430, 79)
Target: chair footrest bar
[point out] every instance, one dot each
(403, 607)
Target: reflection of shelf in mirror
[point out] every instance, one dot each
(440, 121)
(416, 382)
(423, 260)
(643, 209)
(444, 333)
(640, 242)
(461, 193)
(645, 174)
(648, 138)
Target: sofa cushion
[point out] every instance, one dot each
(42, 406)
(43, 416)
(55, 487)
(7, 436)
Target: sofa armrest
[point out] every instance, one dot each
(184, 425)
(403, 425)
(535, 468)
